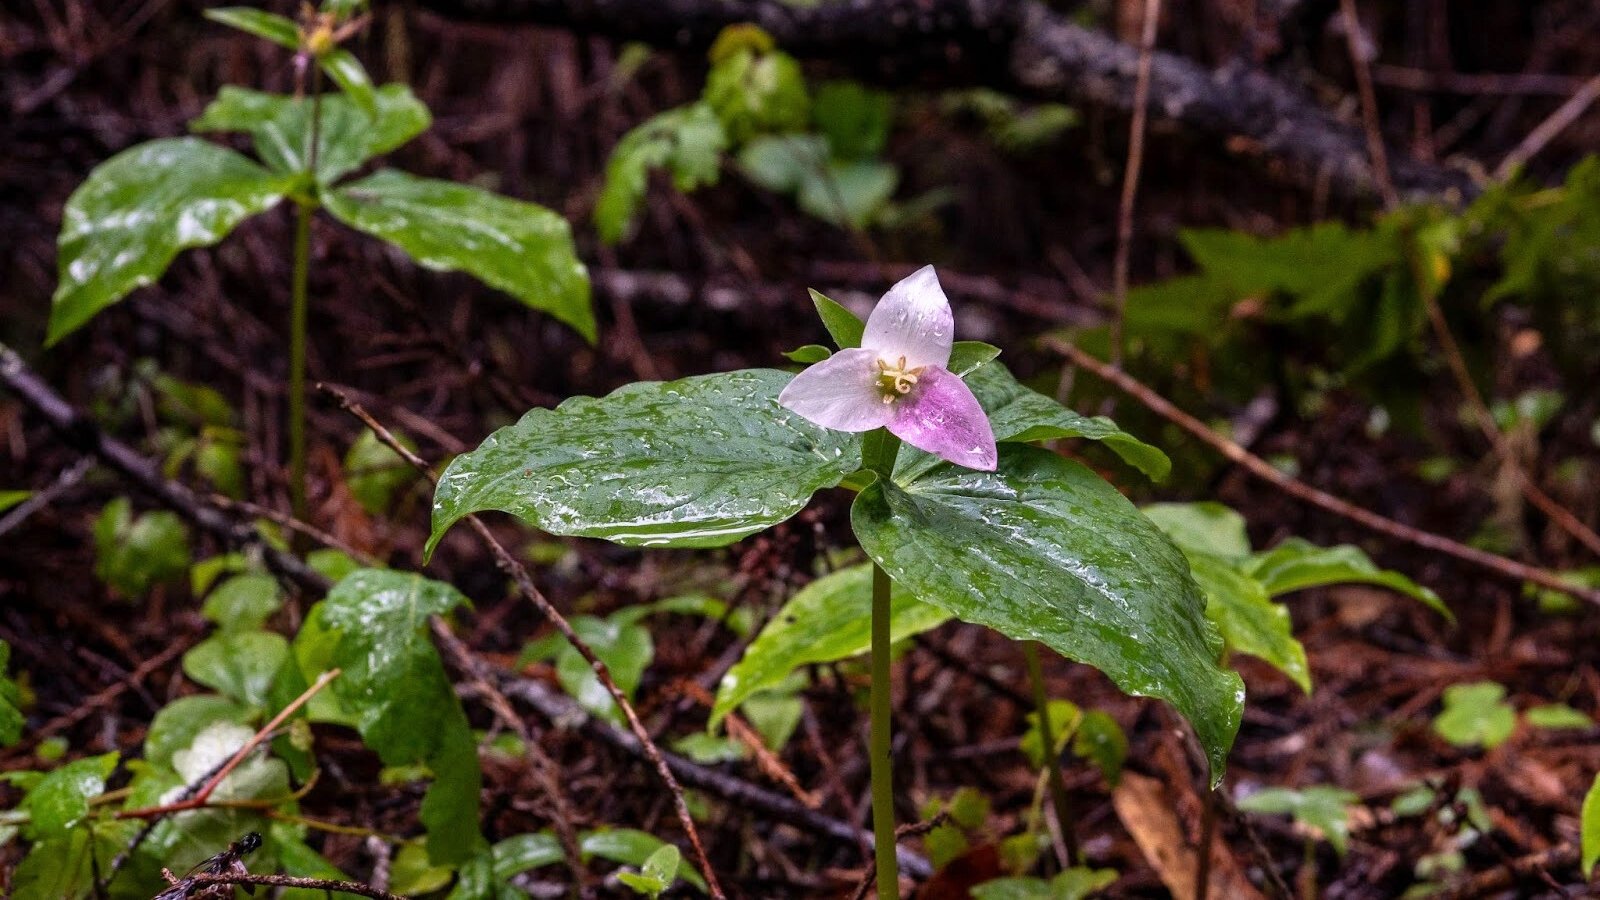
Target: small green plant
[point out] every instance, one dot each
(1476, 715)
(135, 553)
(122, 228)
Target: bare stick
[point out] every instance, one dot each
(63, 483)
(519, 573)
(290, 881)
(1260, 468)
(1564, 116)
(1369, 105)
(1130, 178)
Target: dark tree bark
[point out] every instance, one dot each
(1017, 45)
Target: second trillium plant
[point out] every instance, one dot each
(954, 506)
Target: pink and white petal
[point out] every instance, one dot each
(841, 393)
(913, 320)
(941, 416)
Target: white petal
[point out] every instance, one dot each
(913, 320)
(841, 393)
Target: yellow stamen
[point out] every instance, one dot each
(896, 379)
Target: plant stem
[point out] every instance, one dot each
(1208, 830)
(878, 752)
(1047, 737)
(297, 361)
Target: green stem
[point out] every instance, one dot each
(878, 451)
(1058, 787)
(299, 289)
(882, 776)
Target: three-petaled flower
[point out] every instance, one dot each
(899, 379)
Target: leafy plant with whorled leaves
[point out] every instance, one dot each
(963, 515)
(122, 228)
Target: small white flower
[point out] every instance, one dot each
(899, 379)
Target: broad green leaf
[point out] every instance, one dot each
(1297, 564)
(1558, 715)
(784, 163)
(1044, 549)
(133, 554)
(331, 564)
(848, 194)
(854, 119)
(624, 647)
(1590, 832)
(412, 873)
(1019, 414)
(687, 142)
(11, 716)
(827, 620)
(176, 724)
(1321, 807)
(122, 227)
(347, 72)
(699, 462)
(280, 127)
(967, 356)
(844, 326)
(403, 703)
(631, 847)
(522, 852)
(1248, 619)
(806, 355)
(1205, 527)
(238, 664)
(64, 867)
(521, 248)
(185, 840)
(267, 26)
(1475, 715)
(60, 801)
(243, 602)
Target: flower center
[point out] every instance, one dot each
(895, 379)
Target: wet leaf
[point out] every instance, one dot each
(521, 248)
(240, 664)
(60, 801)
(280, 127)
(844, 326)
(699, 462)
(1044, 549)
(176, 724)
(347, 72)
(1248, 619)
(403, 704)
(1207, 527)
(243, 602)
(1297, 564)
(631, 847)
(827, 620)
(133, 554)
(122, 227)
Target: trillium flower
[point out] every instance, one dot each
(899, 379)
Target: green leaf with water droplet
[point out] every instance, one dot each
(122, 227)
(699, 462)
(1044, 549)
(521, 248)
(1298, 564)
(238, 664)
(402, 701)
(60, 801)
(827, 620)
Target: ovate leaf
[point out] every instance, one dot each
(280, 126)
(844, 326)
(699, 462)
(827, 620)
(1206, 527)
(60, 801)
(1591, 827)
(1043, 549)
(267, 26)
(1297, 564)
(632, 847)
(176, 724)
(520, 248)
(238, 664)
(347, 72)
(687, 142)
(395, 685)
(1248, 619)
(122, 227)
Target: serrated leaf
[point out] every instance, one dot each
(60, 801)
(687, 142)
(280, 127)
(827, 620)
(1323, 808)
(1020, 415)
(267, 26)
(122, 227)
(844, 326)
(403, 704)
(238, 664)
(1297, 564)
(699, 462)
(521, 248)
(11, 716)
(1249, 621)
(1043, 549)
(1476, 715)
(347, 72)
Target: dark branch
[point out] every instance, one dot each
(1020, 45)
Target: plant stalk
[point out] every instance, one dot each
(299, 290)
(878, 752)
(1047, 736)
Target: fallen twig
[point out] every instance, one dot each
(1264, 470)
(290, 881)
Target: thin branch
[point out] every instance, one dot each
(1130, 178)
(1558, 121)
(1355, 40)
(64, 482)
(289, 881)
(509, 565)
(1264, 470)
